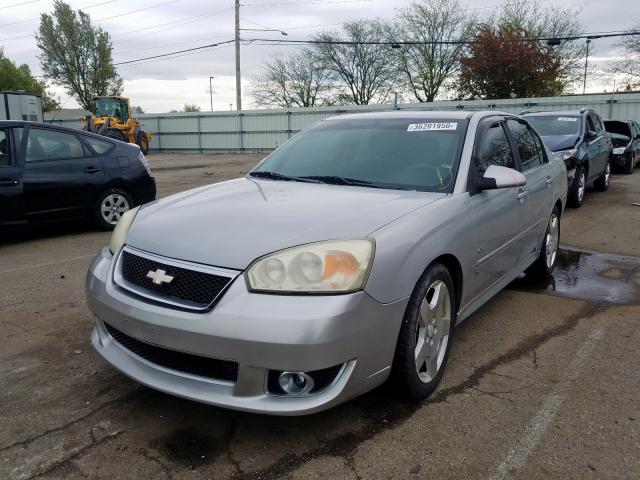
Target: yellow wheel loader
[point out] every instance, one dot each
(113, 119)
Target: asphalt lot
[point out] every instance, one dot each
(543, 381)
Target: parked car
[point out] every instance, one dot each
(625, 136)
(579, 138)
(344, 258)
(52, 174)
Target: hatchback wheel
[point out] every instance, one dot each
(575, 196)
(602, 183)
(546, 262)
(110, 207)
(425, 336)
(629, 165)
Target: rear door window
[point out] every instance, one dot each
(494, 149)
(525, 143)
(52, 145)
(101, 147)
(4, 148)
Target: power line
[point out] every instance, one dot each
(173, 53)
(136, 11)
(21, 3)
(204, 50)
(303, 2)
(33, 19)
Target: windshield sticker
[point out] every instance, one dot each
(422, 127)
(567, 119)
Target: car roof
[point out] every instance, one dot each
(417, 114)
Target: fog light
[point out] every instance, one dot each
(295, 383)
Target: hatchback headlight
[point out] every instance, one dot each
(565, 154)
(122, 228)
(619, 150)
(334, 266)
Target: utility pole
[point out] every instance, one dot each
(586, 64)
(211, 91)
(238, 80)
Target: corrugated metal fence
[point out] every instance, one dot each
(266, 129)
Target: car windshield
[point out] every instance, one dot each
(555, 124)
(407, 154)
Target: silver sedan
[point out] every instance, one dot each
(345, 258)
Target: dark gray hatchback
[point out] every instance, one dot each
(51, 174)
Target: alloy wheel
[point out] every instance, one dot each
(432, 331)
(112, 208)
(607, 174)
(582, 184)
(552, 240)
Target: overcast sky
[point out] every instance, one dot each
(169, 25)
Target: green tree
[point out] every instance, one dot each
(191, 107)
(77, 55)
(18, 77)
(505, 63)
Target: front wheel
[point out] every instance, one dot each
(546, 262)
(575, 195)
(629, 165)
(425, 336)
(111, 205)
(602, 183)
(143, 142)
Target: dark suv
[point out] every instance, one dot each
(579, 138)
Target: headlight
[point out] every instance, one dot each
(325, 267)
(122, 228)
(565, 154)
(619, 150)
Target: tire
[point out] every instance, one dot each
(142, 142)
(115, 134)
(110, 206)
(546, 262)
(416, 374)
(575, 195)
(602, 183)
(629, 165)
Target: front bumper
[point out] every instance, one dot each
(620, 159)
(258, 331)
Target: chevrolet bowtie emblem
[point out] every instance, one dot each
(159, 277)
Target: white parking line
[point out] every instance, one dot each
(46, 264)
(519, 454)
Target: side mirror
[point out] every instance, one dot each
(591, 134)
(500, 177)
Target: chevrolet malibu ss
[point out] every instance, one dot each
(346, 258)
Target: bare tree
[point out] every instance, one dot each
(298, 80)
(428, 66)
(363, 72)
(540, 20)
(629, 65)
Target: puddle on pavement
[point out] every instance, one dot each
(591, 276)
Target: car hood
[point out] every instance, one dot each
(561, 142)
(230, 224)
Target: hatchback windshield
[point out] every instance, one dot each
(407, 154)
(555, 124)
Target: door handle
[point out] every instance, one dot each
(9, 182)
(549, 181)
(91, 169)
(522, 194)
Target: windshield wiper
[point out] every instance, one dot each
(280, 176)
(338, 180)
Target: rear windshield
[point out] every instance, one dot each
(408, 154)
(555, 124)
